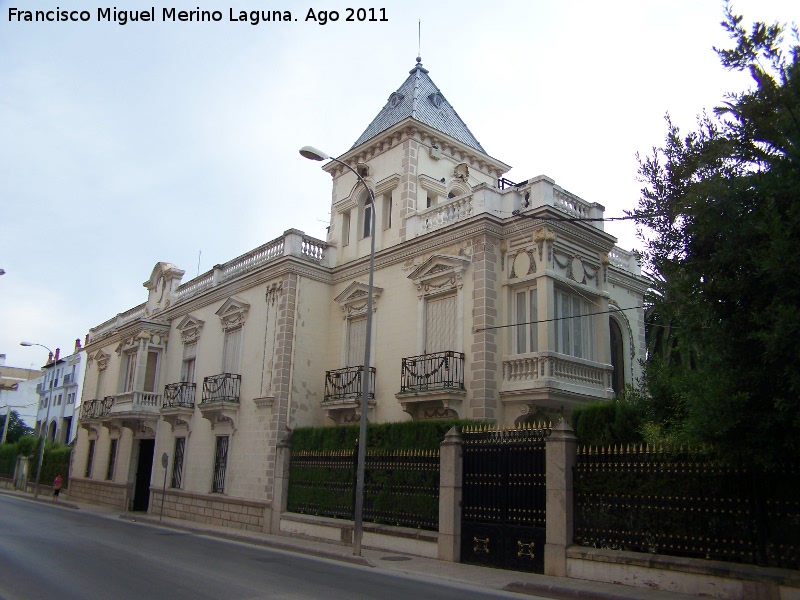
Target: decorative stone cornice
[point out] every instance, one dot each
(190, 328)
(440, 273)
(353, 300)
(233, 313)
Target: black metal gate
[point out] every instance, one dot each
(504, 498)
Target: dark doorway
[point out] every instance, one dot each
(617, 357)
(144, 468)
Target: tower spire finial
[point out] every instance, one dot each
(419, 42)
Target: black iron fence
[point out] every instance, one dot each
(686, 503)
(221, 388)
(179, 395)
(435, 371)
(400, 487)
(341, 384)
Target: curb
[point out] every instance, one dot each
(319, 553)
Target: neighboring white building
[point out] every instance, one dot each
(479, 313)
(60, 395)
(18, 391)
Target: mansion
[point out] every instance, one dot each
(493, 300)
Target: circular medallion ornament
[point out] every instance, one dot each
(522, 264)
(577, 270)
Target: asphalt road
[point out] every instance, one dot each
(55, 553)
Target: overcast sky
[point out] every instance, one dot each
(122, 146)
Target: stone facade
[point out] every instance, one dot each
(490, 302)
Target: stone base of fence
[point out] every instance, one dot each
(212, 509)
(402, 540)
(106, 493)
(695, 576)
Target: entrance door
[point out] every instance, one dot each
(504, 499)
(144, 468)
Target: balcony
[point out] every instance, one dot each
(94, 412)
(555, 377)
(68, 380)
(431, 383)
(220, 401)
(343, 391)
(135, 410)
(177, 406)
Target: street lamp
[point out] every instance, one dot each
(312, 153)
(46, 419)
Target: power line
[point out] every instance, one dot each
(602, 312)
(518, 213)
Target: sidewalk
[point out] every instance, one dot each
(496, 579)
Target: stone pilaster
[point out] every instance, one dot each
(408, 184)
(562, 446)
(483, 351)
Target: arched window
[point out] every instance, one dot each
(617, 357)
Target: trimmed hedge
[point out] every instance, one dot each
(406, 435)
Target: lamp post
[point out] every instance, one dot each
(312, 153)
(46, 419)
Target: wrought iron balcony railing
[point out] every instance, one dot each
(436, 371)
(96, 409)
(343, 384)
(179, 395)
(221, 388)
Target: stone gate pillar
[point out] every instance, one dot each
(450, 473)
(562, 446)
(280, 491)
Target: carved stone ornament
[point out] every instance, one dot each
(440, 273)
(353, 300)
(101, 358)
(273, 293)
(576, 269)
(233, 313)
(461, 171)
(161, 286)
(190, 328)
(542, 236)
(523, 264)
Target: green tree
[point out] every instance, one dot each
(16, 427)
(720, 217)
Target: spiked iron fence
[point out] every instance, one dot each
(400, 487)
(686, 503)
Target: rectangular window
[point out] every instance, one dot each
(130, 372)
(231, 351)
(112, 459)
(151, 372)
(440, 324)
(367, 220)
(90, 458)
(177, 462)
(220, 462)
(387, 211)
(574, 325)
(189, 359)
(526, 337)
(346, 228)
(356, 338)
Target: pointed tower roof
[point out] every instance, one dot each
(420, 99)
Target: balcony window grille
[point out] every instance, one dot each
(220, 463)
(177, 462)
(112, 459)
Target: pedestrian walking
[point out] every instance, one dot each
(57, 483)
